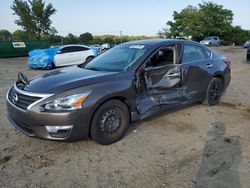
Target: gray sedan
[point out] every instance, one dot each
(211, 41)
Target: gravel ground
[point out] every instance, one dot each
(196, 146)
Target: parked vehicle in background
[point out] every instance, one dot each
(73, 55)
(247, 44)
(105, 47)
(248, 53)
(129, 82)
(211, 41)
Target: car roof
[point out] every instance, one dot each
(158, 42)
(69, 45)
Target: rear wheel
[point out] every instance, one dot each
(110, 122)
(214, 92)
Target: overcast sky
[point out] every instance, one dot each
(132, 17)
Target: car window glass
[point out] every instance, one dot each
(73, 49)
(65, 50)
(192, 53)
(119, 58)
(164, 56)
(80, 48)
(207, 53)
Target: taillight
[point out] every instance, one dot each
(228, 62)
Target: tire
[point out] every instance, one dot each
(50, 67)
(214, 92)
(89, 59)
(110, 122)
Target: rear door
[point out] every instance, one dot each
(64, 56)
(196, 65)
(80, 54)
(162, 78)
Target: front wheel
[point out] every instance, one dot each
(89, 59)
(110, 122)
(214, 92)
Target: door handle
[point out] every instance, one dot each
(209, 65)
(172, 75)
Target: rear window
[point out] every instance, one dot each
(193, 53)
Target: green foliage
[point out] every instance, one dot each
(216, 20)
(198, 22)
(164, 33)
(55, 40)
(34, 17)
(187, 23)
(19, 35)
(85, 38)
(236, 35)
(5, 35)
(88, 39)
(70, 39)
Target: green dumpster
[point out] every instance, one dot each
(20, 48)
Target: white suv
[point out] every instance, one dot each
(73, 55)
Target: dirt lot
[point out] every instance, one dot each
(197, 146)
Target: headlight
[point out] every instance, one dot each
(67, 103)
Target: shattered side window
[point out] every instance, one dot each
(164, 56)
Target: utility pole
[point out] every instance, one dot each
(121, 36)
(61, 40)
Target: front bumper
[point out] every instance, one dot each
(32, 122)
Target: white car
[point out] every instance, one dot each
(73, 55)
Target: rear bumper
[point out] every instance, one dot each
(33, 123)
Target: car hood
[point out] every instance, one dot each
(65, 79)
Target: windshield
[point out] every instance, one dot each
(208, 38)
(117, 59)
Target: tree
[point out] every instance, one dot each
(187, 23)
(197, 22)
(5, 35)
(55, 39)
(86, 38)
(236, 35)
(19, 35)
(70, 39)
(34, 17)
(216, 20)
(164, 33)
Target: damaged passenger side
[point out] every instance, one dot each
(160, 81)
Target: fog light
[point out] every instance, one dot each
(59, 131)
(56, 129)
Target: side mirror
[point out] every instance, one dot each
(59, 52)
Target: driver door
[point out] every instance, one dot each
(162, 79)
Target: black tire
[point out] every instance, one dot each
(50, 67)
(110, 122)
(214, 92)
(89, 59)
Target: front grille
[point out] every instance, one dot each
(20, 100)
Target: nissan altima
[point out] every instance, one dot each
(129, 82)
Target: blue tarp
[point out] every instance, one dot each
(96, 51)
(42, 58)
